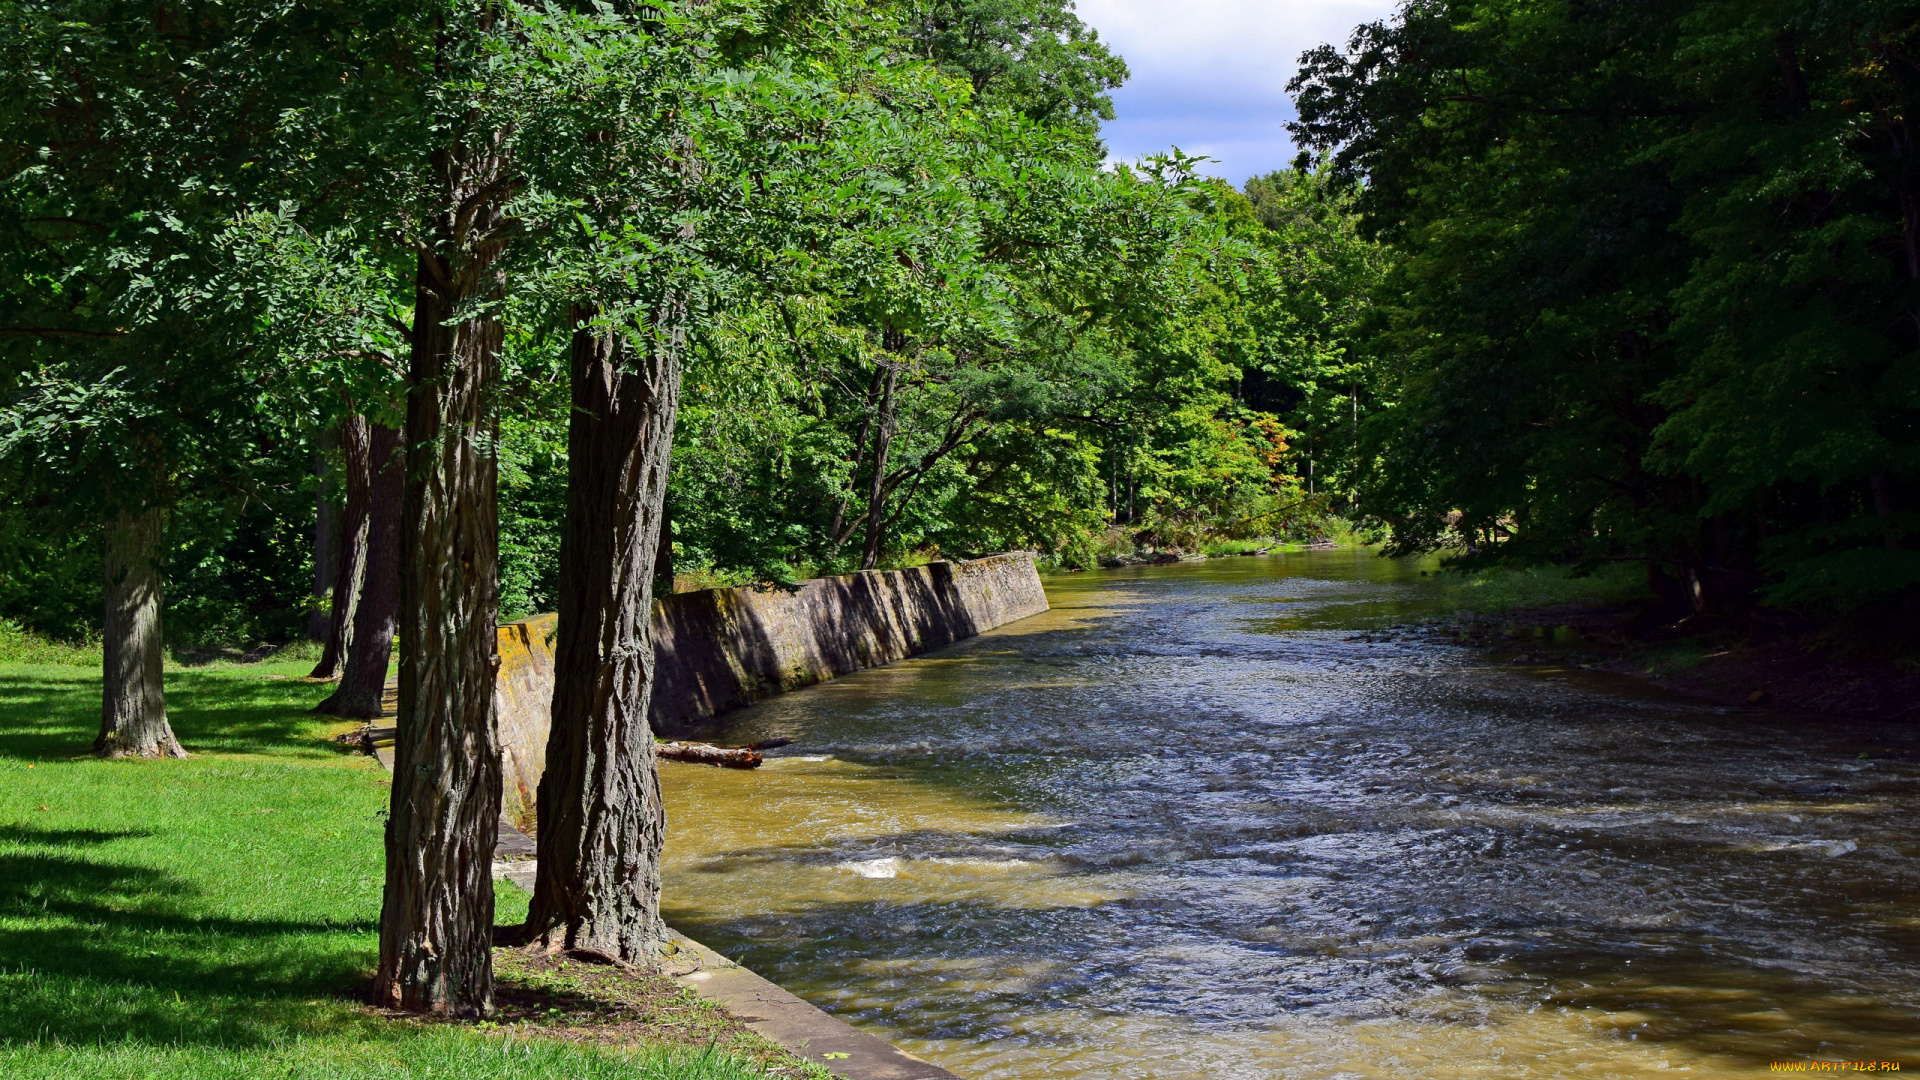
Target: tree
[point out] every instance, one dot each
(601, 821)
(658, 153)
(347, 536)
(1033, 57)
(559, 123)
(1651, 299)
(436, 920)
(632, 165)
(129, 137)
(332, 294)
(375, 595)
(1309, 307)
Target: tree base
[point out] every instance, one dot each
(116, 747)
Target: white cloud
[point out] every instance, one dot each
(1210, 76)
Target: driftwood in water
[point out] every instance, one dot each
(367, 739)
(739, 757)
(372, 737)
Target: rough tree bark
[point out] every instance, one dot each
(133, 707)
(601, 823)
(351, 534)
(363, 682)
(663, 555)
(436, 920)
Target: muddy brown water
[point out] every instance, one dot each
(1208, 821)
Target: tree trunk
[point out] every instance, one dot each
(133, 706)
(882, 443)
(326, 540)
(350, 568)
(663, 555)
(601, 822)
(436, 920)
(363, 683)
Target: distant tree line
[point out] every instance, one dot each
(1654, 292)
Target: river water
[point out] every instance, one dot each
(1207, 821)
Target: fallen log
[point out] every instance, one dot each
(708, 754)
(366, 739)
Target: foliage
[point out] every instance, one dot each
(1034, 57)
(865, 219)
(1652, 296)
(1510, 588)
(1312, 365)
(19, 645)
(49, 575)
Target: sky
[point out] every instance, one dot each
(1210, 76)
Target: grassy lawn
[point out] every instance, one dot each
(1503, 589)
(217, 917)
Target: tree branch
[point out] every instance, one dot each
(57, 331)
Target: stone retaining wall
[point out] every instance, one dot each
(724, 648)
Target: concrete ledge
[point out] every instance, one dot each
(723, 648)
(783, 1018)
(774, 1013)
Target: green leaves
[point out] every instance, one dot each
(1652, 296)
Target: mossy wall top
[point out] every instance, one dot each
(723, 648)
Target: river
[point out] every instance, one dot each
(1210, 821)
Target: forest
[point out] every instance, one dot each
(372, 323)
(915, 313)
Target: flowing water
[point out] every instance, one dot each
(1200, 822)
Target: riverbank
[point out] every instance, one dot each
(218, 916)
(1608, 623)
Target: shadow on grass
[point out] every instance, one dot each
(46, 716)
(31, 834)
(100, 951)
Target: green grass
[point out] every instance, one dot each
(1214, 547)
(1342, 532)
(19, 645)
(439, 1052)
(1504, 589)
(217, 916)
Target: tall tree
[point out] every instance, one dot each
(1034, 57)
(601, 821)
(128, 136)
(350, 537)
(376, 591)
(436, 922)
(133, 718)
(600, 818)
(1653, 299)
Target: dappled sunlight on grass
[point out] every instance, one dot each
(214, 916)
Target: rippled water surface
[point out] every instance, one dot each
(1197, 822)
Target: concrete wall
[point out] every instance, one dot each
(724, 648)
